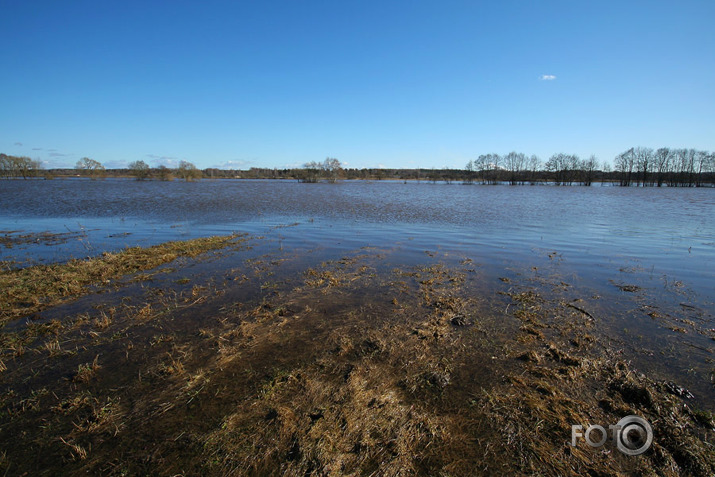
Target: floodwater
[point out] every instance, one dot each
(596, 229)
(639, 249)
(389, 304)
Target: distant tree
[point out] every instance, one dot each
(139, 169)
(332, 169)
(534, 166)
(188, 171)
(701, 166)
(164, 173)
(14, 166)
(684, 167)
(446, 176)
(644, 164)
(5, 165)
(489, 167)
(557, 165)
(310, 172)
(469, 168)
(625, 163)
(662, 160)
(515, 163)
(588, 170)
(26, 167)
(91, 168)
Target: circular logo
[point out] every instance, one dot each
(633, 435)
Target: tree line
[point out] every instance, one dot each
(19, 166)
(637, 166)
(643, 166)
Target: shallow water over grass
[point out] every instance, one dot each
(263, 359)
(664, 231)
(382, 316)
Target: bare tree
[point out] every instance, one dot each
(625, 163)
(489, 166)
(91, 168)
(19, 166)
(310, 172)
(332, 169)
(139, 169)
(188, 171)
(515, 163)
(700, 166)
(534, 166)
(644, 164)
(164, 173)
(557, 165)
(469, 168)
(662, 158)
(589, 167)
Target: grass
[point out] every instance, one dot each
(29, 290)
(339, 369)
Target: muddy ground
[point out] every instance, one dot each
(240, 357)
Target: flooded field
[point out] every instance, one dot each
(352, 328)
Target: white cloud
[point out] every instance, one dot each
(239, 164)
(547, 77)
(116, 164)
(167, 161)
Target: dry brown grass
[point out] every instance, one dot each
(29, 290)
(346, 371)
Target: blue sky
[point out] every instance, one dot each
(241, 84)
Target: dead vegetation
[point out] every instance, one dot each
(29, 290)
(341, 369)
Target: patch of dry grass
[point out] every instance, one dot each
(345, 371)
(29, 290)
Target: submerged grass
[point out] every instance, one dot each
(340, 369)
(29, 290)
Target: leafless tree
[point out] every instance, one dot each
(534, 166)
(588, 170)
(91, 168)
(515, 163)
(188, 171)
(469, 168)
(625, 162)
(332, 169)
(139, 169)
(662, 158)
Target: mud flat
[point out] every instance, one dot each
(237, 356)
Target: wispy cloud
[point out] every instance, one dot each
(37, 149)
(120, 164)
(18, 144)
(57, 154)
(547, 77)
(239, 164)
(167, 161)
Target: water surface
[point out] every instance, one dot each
(640, 259)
